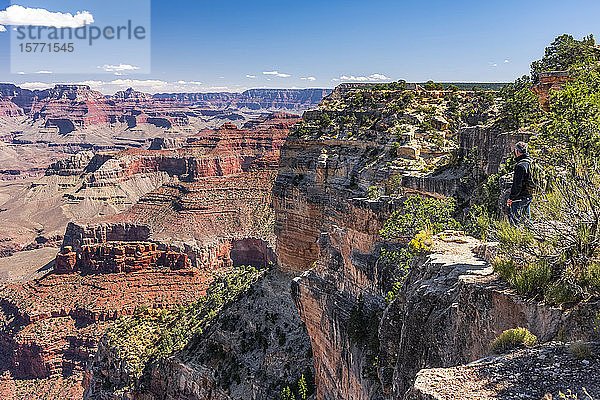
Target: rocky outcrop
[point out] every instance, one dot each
(345, 280)
(115, 257)
(548, 81)
(451, 305)
(289, 100)
(51, 326)
(253, 349)
(544, 372)
(72, 166)
(77, 236)
(487, 147)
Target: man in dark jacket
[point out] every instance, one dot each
(521, 192)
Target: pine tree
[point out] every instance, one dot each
(310, 380)
(302, 388)
(286, 394)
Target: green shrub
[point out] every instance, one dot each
(372, 193)
(592, 276)
(511, 237)
(561, 292)
(506, 268)
(431, 85)
(511, 339)
(153, 333)
(421, 243)
(394, 186)
(581, 350)
(520, 106)
(324, 121)
(532, 278)
(401, 262)
(418, 214)
(478, 222)
(286, 394)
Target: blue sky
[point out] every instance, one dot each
(229, 45)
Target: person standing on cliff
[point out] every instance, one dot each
(521, 192)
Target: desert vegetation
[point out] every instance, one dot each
(556, 256)
(150, 333)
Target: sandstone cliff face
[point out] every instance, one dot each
(50, 327)
(451, 305)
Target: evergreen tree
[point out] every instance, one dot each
(310, 380)
(302, 388)
(564, 53)
(573, 129)
(286, 394)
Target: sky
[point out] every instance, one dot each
(196, 46)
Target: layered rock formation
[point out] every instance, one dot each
(551, 80)
(51, 326)
(451, 305)
(353, 142)
(227, 170)
(68, 108)
(115, 257)
(219, 210)
(209, 196)
(289, 100)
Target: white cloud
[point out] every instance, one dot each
(18, 15)
(277, 74)
(309, 78)
(2, 28)
(370, 78)
(154, 86)
(506, 61)
(118, 68)
(35, 85)
(250, 76)
(189, 83)
(43, 72)
(21, 73)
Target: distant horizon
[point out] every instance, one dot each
(241, 90)
(232, 46)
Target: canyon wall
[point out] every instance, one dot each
(208, 198)
(50, 327)
(451, 305)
